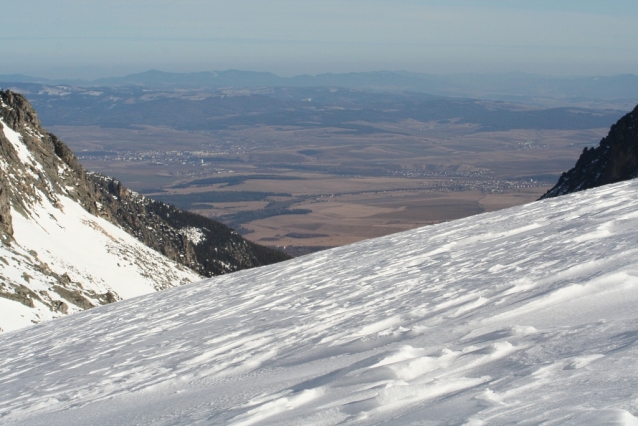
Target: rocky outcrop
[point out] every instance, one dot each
(204, 245)
(614, 160)
(5, 209)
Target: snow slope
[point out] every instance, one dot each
(526, 315)
(58, 258)
(89, 250)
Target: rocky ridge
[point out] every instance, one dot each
(41, 180)
(615, 159)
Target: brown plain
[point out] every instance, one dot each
(356, 186)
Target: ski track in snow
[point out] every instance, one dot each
(527, 315)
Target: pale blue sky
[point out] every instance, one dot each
(84, 38)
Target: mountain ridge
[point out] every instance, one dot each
(504, 86)
(615, 159)
(45, 192)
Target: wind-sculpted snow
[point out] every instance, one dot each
(527, 315)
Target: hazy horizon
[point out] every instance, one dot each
(78, 39)
(93, 74)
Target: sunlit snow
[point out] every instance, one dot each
(88, 249)
(57, 258)
(527, 315)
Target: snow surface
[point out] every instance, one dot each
(92, 250)
(526, 315)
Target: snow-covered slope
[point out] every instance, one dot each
(56, 258)
(96, 261)
(526, 315)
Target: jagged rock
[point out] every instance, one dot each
(614, 160)
(110, 297)
(19, 297)
(5, 208)
(59, 306)
(74, 297)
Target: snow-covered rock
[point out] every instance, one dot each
(58, 253)
(527, 315)
(66, 260)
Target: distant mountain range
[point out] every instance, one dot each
(351, 109)
(71, 239)
(507, 86)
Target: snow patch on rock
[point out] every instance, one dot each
(194, 235)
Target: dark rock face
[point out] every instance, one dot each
(204, 245)
(208, 247)
(5, 208)
(614, 160)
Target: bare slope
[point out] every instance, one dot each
(525, 315)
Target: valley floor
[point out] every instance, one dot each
(345, 186)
